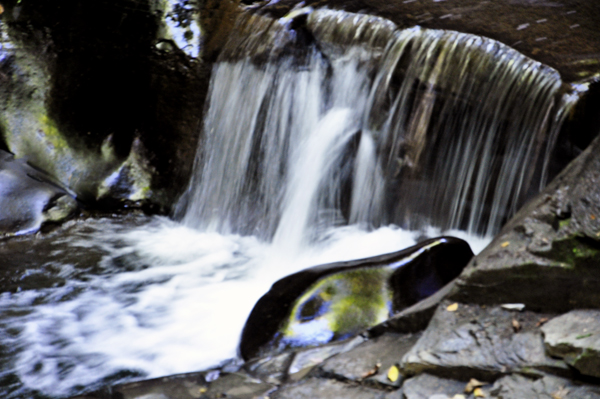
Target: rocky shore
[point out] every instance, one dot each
(521, 321)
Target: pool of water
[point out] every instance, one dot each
(108, 300)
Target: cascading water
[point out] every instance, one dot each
(452, 127)
(315, 141)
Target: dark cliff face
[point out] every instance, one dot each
(106, 74)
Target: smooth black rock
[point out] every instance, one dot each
(354, 295)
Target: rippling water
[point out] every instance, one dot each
(144, 297)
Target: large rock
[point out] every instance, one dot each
(575, 337)
(29, 198)
(518, 386)
(480, 342)
(106, 97)
(548, 255)
(337, 300)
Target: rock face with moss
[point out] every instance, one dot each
(104, 96)
(551, 246)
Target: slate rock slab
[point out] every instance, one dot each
(518, 386)
(206, 385)
(370, 361)
(480, 342)
(426, 386)
(548, 255)
(575, 337)
(327, 389)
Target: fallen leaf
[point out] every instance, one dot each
(478, 393)
(473, 384)
(505, 244)
(516, 325)
(203, 390)
(1, 9)
(393, 373)
(371, 372)
(543, 320)
(561, 393)
(593, 217)
(452, 308)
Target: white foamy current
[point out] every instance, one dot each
(162, 299)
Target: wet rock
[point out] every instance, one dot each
(575, 337)
(548, 255)
(29, 199)
(426, 386)
(415, 318)
(371, 361)
(326, 389)
(272, 369)
(480, 342)
(518, 386)
(559, 33)
(207, 385)
(83, 85)
(337, 300)
(305, 360)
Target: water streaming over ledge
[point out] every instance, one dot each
(313, 138)
(440, 129)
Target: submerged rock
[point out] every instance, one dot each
(334, 301)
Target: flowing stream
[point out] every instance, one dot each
(358, 143)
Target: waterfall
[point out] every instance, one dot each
(332, 137)
(452, 130)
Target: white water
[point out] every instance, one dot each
(179, 308)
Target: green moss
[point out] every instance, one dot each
(348, 302)
(564, 223)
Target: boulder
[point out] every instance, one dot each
(548, 256)
(106, 97)
(480, 342)
(211, 384)
(575, 337)
(371, 361)
(326, 389)
(518, 386)
(426, 386)
(337, 300)
(29, 198)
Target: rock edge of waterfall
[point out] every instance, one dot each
(521, 321)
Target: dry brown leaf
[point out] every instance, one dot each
(561, 393)
(452, 308)
(1, 9)
(542, 321)
(371, 372)
(473, 384)
(516, 325)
